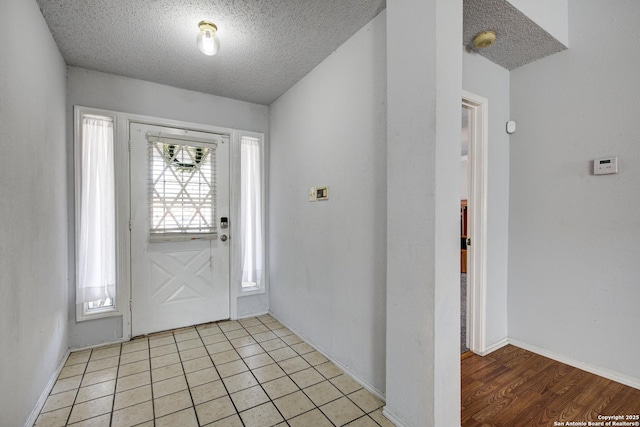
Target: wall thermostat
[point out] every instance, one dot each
(605, 166)
(322, 193)
(318, 193)
(511, 127)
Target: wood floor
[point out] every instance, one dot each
(514, 387)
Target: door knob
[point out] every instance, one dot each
(224, 237)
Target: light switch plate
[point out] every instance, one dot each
(605, 166)
(312, 194)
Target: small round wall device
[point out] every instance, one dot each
(511, 127)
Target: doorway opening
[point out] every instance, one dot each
(473, 223)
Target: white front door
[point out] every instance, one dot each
(179, 246)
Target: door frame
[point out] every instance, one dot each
(123, 135)
(212, 307)
(477, 222)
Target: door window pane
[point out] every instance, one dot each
(182, 189)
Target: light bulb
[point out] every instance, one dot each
(208, 41)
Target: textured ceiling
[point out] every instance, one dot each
(266, 45)
(519, 40)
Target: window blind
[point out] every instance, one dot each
(182, 188)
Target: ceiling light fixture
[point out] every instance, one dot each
(208, 41)
(484, 39)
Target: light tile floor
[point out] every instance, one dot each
(252, 373)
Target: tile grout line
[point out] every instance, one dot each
(115, 385)
(153, 406)
(252, 374)
(291, 379)
(78, 389)
(365, 414)
(260, 384)
(52, 394)
(297, 349)
(251, 371)
(302, 389)
(221, 379)
(185, 374)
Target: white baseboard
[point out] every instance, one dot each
(45, 393)
(259, 313)
(369, 387)
(606, 373)
(493, 347)
(395, 420)
(102, 344)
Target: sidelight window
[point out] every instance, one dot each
(95, 214)
(251, 213)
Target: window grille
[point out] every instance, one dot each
(182, 189)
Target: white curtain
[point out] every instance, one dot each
(97, 233)
(250, 213)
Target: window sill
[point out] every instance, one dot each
(254, 290)
(82, 315)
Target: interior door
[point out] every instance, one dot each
(179, 236)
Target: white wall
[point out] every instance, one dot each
(484, 78)
(423, 229)
(328, 258)
(550, 15)
(110, 92)
(573, 237)
(33, 209)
